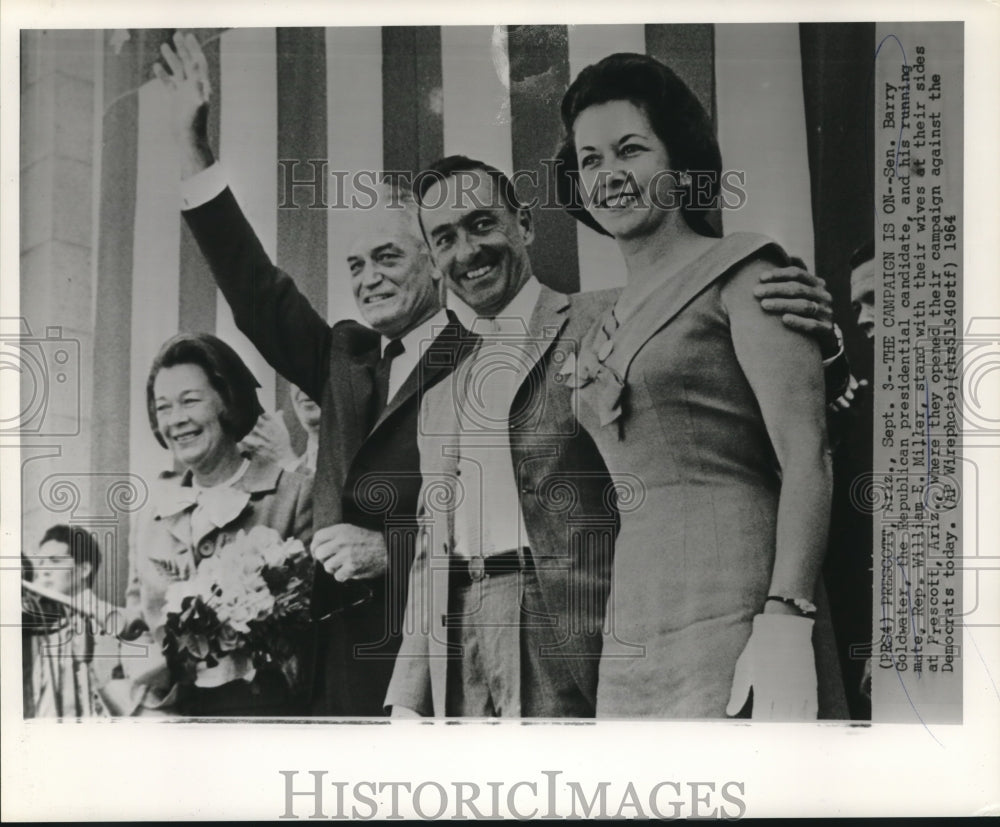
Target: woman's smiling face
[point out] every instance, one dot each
(625, 172)
(188, 411)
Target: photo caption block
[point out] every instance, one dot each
(917, 482)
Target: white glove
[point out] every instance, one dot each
(403, 712)
(779, 664)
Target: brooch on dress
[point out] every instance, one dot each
(600, 385)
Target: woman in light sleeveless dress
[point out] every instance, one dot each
(709, 414)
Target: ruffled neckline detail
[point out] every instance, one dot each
(588, 374)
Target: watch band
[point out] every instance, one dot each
(804, 607)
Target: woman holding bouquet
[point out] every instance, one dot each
(211, 574)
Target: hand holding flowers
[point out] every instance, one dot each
(239, 610)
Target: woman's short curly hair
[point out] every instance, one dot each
(227, 373)
(675, 114)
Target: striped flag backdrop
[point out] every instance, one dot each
(396, 98)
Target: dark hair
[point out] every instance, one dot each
(453, 166)
(82, 547)
(866, 252)
(226, 372)
(676, 115)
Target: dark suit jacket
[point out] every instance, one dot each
(367, 468)
(567, 499)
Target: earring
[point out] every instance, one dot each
(684, 179)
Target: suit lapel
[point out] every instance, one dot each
(362, 384)
(345, 424)
(547, 321)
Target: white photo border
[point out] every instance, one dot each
(140, 770)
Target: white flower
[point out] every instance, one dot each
(269, 544)
(241, 609)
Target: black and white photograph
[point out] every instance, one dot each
(412, 415)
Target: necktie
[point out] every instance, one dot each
(382, 368)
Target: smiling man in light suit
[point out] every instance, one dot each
(511, 579)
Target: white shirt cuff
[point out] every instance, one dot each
(840, 349)
(203, 186)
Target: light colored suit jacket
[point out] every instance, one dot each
(567, 501)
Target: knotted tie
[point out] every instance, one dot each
(382, 368)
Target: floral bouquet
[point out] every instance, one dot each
(239, 611)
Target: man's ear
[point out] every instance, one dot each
(440, 286)
(526, 224)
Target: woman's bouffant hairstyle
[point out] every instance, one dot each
(675, 114)
(227, 374)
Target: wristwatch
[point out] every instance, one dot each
(806, 608)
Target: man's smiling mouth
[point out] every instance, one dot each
(478, 273)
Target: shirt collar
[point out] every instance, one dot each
(229, 483)
(419, 339)
(513, 319)
(177, 493)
